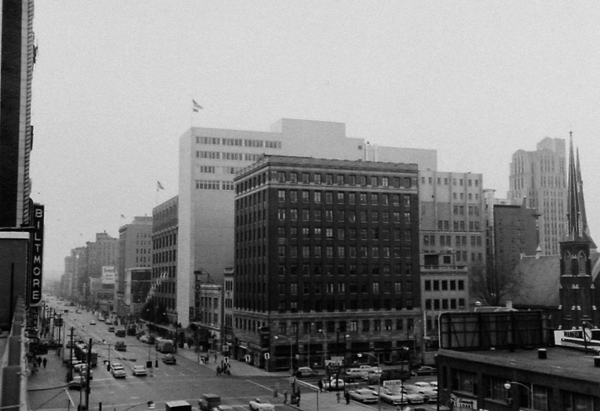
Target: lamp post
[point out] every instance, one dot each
(291, 353)
(325, 357)
(508, 385)
(378, 380)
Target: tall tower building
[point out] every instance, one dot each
(210, 158)
(540, 178)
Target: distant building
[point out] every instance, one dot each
(540, 177)
(137, 286)
(515, 234)
(327, 260)
(228, 299)
(135, 250)
(208, 162)
(452, 216)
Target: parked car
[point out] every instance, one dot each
(260, 405)
(144, 338)
(425, 370)
(434, 385)
(78, 382)
(111, 329)
(169, 359)
(108, 321)
(139, 370)
(81, 369)
(93, 322)
(429, 395)
(422, 384)
(395, 397)
(120, 346)
(305, 372)
(364, 395)
(334, 385)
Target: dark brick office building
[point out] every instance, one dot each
(326, 261)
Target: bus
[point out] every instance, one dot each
(80, 351)
(164, 345)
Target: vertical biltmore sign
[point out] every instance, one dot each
(37, 253)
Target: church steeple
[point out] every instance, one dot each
(577, 226)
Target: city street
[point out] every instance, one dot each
(186, 380)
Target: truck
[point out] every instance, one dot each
(164, 345)
(209, 401)
(179, 405)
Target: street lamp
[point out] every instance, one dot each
(378, 379)
(291, 354)
(325, 335)
(508, 384)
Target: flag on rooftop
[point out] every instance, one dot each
(195, 106)
(159, 186)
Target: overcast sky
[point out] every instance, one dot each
(476, 80)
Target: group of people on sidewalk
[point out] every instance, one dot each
(37, 363)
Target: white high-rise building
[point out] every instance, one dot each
(209, 158)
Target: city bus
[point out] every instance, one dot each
(80, 351)
(164, 345)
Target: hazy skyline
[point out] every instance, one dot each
(475, 80)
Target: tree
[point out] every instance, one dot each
(490, 285)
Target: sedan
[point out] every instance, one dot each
(78, 382)
(169, 359)
(305, 372)
(393, 397)
(334, 384)
(260, 405)
(426, 370)
(139, 370)
(118, 372)
(92, 322)
(364, 395)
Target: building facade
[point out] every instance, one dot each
(164, 255)
(515, 234)
(452, 216)
(540, 177)
(326, 260)
(135, 250)
(208, 161)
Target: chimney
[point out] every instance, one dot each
(509, 305)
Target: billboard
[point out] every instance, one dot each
(109, 274)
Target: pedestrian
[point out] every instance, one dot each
(44, 362)
(320, 385)
(285, 394)
(215, 357)
(39, 361)
(339, 396)
(347, 397)
(218, 370)
(298, 397)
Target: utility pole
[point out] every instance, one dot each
(87, 375)
(70, 372)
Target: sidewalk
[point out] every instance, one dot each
(310, 398)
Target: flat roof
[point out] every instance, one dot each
(560, 361)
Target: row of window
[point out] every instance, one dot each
(332, 288)
(225, 155)
(344, 233)
(316, 197)
(460, 210)
(306, 251)
(446, 240)
(445, 304)
(238, 142)
(214, 185)
(223, 169)
(318, 215)
(350, 269)
(329, 327)
(444, 285)
(346, 179)
(460, 181)
(318, 305)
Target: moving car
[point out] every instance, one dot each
(425, 370)
(139, 370)
(169, 359)
(120, 346)
(118, 371)
(81, 369)
(93, 322)
(111, 329)
(261, 405)
(108, 321)
(364, 395)
(306, 372)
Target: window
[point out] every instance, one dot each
(305, 197)
(340, 179)
(317, 197)
(365, 325)
(293, 177)
(464, 381)
(318, 179)
(305, 178)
